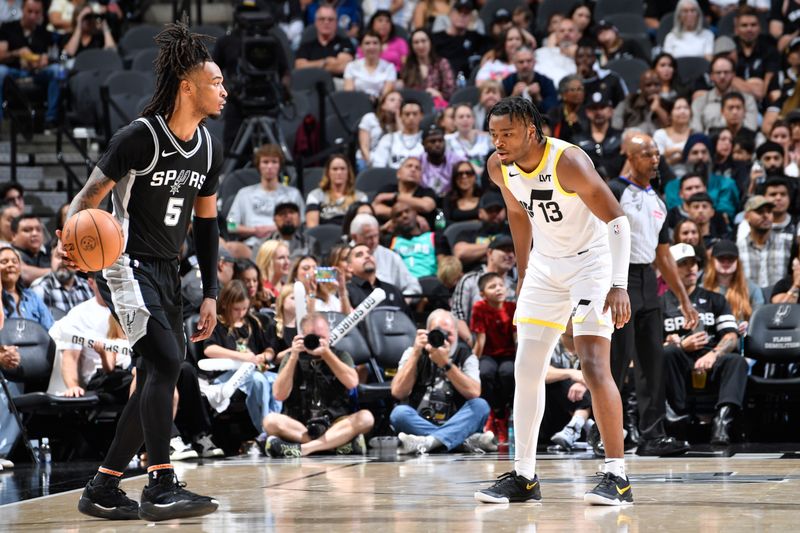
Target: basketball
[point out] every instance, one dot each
(93, 239)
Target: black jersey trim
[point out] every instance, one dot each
(153, 162)
(174, 141)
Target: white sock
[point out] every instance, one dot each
(616, 467)
(530, 368)
(577, 423)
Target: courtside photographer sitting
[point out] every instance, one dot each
(314, 383)
(438, 380)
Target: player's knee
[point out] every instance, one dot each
(594, 365)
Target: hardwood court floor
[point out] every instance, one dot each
(746, 492)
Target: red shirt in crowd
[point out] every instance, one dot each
(498, 326)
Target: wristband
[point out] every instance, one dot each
(448, 367)
(619, 242)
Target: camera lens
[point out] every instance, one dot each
(311, 341)
(437, 338)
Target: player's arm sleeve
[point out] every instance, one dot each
(619, 241)
(131, 148)
(206, 244)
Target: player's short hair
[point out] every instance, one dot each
(517, 107)
(484, 280)
(268, 150)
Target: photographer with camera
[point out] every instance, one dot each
(313, 382)
(438, 379)
(91, 31)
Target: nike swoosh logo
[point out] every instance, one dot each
(623, 491)
(164, 153)
(529, 486)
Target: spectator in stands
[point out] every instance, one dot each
(770, 157)
(601, 142)
(438, 160)
(613, 46)
(778, 190)
(781, 134)
(10, 10)
(468, 143)
(13, 194)
(672, 138)
(490, 92)
(420, 250)
(192, 285)
(569, 118)
(500, 260)
(764, 252)
(348, 15)
(690, 184)
(390, 267)
(370, 74)
(707, 108)
(642, 110)
(784, 23)
(424, 425)
(364, 278)
(328, 203)
(701, 211)
(781, 87)
(497, 63)
(550, 36)
(756, 53)
(91, 31)
(253, 207)
(666, 67)
(24, 45)
(289, 229)
(558, 60)
(688, 38)
(787, 290)
(495, 347)
(461, 204)
(60, 288)
(471, 245)
(322, 294)
(8, 212)
(461, 46)
(28, 240)
(712, 351)
(528, 83)
(581, 15)
(722, 141)
(19, 302)
(285, 321)
(313, 383)
(393, 148)
(329, 50)
(409, 189)
(501, 23)
(426, 11)
(732, 108)
(393, 48)
(273, 262)
(597, 79)
(239, 335)
(425, 70)
(356, 208)
(373, 126)
(62, 15)
(725, 275)
(248, 273)
(686, 231)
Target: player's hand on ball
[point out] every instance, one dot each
(620, 305)
(208, 320)
(66, 260)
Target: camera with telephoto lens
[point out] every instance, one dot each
(437, 404)
(311, 341)
(437, 337)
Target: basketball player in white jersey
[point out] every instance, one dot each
(572, 242)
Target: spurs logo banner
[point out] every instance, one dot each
(357, 315)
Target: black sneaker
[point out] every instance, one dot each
(511, 488)
(107, 500)
(665, 446)
(168, 499)
(276, 447)
(612, 490)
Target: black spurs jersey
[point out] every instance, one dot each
(713, 310)
(158, 177)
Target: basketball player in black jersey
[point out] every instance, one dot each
(159, 169)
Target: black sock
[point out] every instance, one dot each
(101, 478)
(155, 476)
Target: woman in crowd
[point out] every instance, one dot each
(328, 203)
(426, 12)
(569, 118)
(393, 48)
(273, 262)
(581, 15)
(688, 37)
(461, 204)
(424, 70)
(781, 133)
(468, 143)
(670, 140)
(248, 273)
(497, 63)
(91, 31)
(666, 67)
(285, 321)
(329, 295)
(490, 92)
(687, 231)
(787, 290)
(338, 256)
(725, 275)
(445, 120)
(782, 85)
(375, 125)
(722, 141)
(238, 335)
(19, 302)
(370, 74)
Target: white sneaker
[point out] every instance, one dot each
(5, 464)
(480, 442)
(566, 438)
(412, 444)
(208, 448)
(180, 451)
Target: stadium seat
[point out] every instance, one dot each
(691, 69)
(122, 110)
(337, 133)
(604, 8)
(216, 127)
(352, 343)
(351, 105)
(468, 95)
(84, 90)
(306, 79)
(424, 99)
(311, 178)
(137, 38)
(664, 27)
(36, 349)
(389, 333)
(327, 235)
(547, 8)
(212, 30)
(629, 69)
(627, 22)
(374, 179)
(130, 82)
(452, 231)
(231, 185)
(490, 8)
(98, 59)
(642, 40)
(143, 60)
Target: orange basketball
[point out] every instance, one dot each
(93, 239)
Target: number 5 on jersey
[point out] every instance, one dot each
(173, 214)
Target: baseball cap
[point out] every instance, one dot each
(501, 15)
(599, 99)
(491, 199)
(724, 45)
(754, 203)
(606, 25)
(463, 5)
(286, 205)
(700, 197)
(683, 251)
(725, 248)
(433, 129)
(501, 242)
(793, 116)
(225, 255)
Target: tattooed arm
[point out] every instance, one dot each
(728, 343)
(94, 190)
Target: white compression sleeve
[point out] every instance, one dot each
(619, 240)
(530, 369)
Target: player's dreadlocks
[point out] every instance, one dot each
(180, 52)
(517, 107)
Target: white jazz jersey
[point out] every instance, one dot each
(563, 226)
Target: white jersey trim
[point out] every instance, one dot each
(174, 141)
(153, 162)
